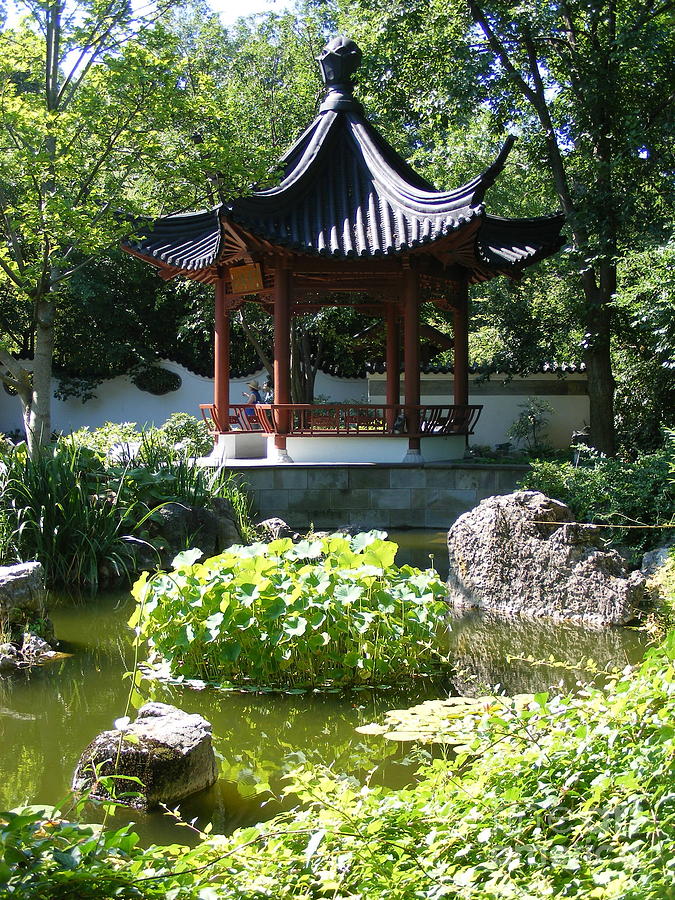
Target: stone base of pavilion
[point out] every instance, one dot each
(238, 446)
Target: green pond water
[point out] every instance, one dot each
(48, 714)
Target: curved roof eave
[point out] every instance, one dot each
(510, 244)
(346, 192)
(187, 241)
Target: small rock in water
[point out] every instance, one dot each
(274, 528)
(167, 749)
(8, 663)
(35, 648)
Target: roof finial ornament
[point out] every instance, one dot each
(339, 60)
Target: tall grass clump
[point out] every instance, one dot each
(326, 611)
(65, 513)
(82, 504)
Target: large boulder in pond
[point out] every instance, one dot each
(167, 749)
(523, 553)
(181, 526)
(22, 593)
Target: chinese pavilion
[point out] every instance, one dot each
(349, 214)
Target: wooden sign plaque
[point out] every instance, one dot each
(246, 279)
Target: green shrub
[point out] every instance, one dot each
(613, 491)
(45, 858)
(188, 434)
(568, 796)
(322, 612)
(182, 435)
(65, 513)
(107, 436)
(75, 509)
(530, 428)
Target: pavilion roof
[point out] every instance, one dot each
(346, 193)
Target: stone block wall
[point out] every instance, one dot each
(326, 495)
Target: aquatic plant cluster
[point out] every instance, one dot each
(325, 611)
(84, 502)
(562, 796)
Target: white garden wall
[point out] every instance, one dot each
(118, 400)
(501, 398)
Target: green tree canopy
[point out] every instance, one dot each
(588, 86)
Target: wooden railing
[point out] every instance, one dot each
(345, 419)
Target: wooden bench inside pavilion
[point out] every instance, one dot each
(349, 215)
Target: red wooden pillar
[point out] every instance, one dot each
(460, 324)
(393, 395)
(411, 357)
(221, 385)
(282, 353)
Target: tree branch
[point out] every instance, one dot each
(13, 277)
(255, 343)
(499, 49)
(13, 366)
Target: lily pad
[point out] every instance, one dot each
(451, 722)
(372, 728)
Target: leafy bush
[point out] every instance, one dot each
(613, 491)
(566, 796)
(45, 857)
(76, 510)
(531, 425)
(324, 611)
(188, 434)
(107, 436)
(182, 435)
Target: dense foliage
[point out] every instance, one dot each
(564, 796)
(618, 492)
(325, 611)
(583, 87)
(90, 94)
(182, 435)
(83, 505)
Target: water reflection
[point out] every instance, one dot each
(488, 650)
(50, 713)
(423, 548)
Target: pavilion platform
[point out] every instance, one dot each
(340, 433)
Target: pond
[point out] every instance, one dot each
(50, 713)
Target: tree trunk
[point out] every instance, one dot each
(598, 279)
(37, 419)
(597, 355)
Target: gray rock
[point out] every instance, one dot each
(228, 532)
(510, 554)
(8, 663)
(10, 658)
(653, 560)
(184, 526)
(273, 529)
(34, 648)
(22, 592)
(169, 750)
